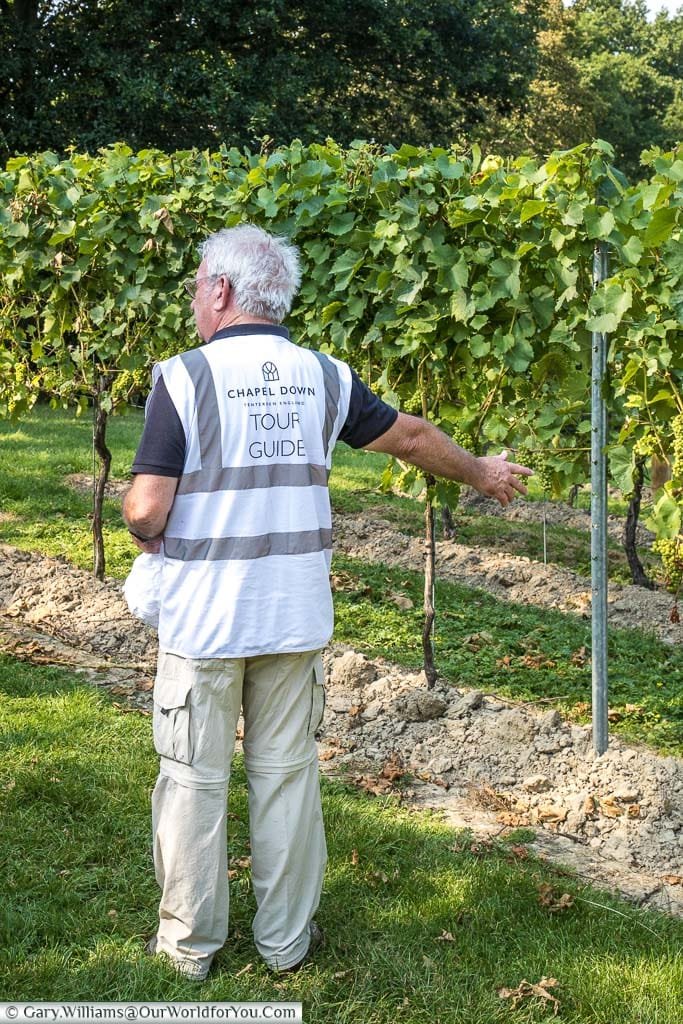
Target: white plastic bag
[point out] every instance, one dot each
(142, 588)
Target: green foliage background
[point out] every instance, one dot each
(433, 271)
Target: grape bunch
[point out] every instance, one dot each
(538, 461)
(677, 431)
(646, 445)
(462, 439)
(671, 553)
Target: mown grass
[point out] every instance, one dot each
(422, 926)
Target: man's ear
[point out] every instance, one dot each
(223, 293)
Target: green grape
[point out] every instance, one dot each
(646, 445)
(413, 405)
(671, 552)
(538, 461)
(677, 430)
(462, 439)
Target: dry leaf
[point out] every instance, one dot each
(356, 709)
(673, 879)
(327, 755)
(526, 989)
(145, 684)
(551, 814)
(242, 862)
(121, 691)
(579, 658)
(354, 858)
(445, 937)
(547, 898)
(521, 852)
(633, 810)
(245, 970)
(9, 786)
(112, 913)
(610, 808)
(392, 770)
(589, 807)
(341, 974)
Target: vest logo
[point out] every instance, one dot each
(270, 372)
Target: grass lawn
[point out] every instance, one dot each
(423, 926)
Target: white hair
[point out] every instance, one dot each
(263, 269)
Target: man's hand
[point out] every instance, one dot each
(422, 444)
(150, 547)
(498, 478)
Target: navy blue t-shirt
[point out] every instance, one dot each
(161, 451)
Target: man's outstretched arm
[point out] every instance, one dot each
(420, 443)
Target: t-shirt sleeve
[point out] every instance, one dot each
(161, 451)
(368, 416)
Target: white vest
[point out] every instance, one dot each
(248, 542)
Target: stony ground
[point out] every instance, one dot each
(484, 762)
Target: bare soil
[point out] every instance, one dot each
(485, 763)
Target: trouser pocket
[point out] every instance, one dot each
(315, 722)
(173, 733)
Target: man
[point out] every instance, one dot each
(231, 474)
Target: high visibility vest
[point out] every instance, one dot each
(248, 542)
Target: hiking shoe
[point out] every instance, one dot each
(317, 940)
(189, 969)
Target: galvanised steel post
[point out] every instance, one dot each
(599, 518)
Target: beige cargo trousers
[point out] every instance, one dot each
(196, 708)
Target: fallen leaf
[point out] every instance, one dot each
(392, 770)
(145, 684)
(354, 858)
(633, 811)
(589, 806)
(579, 658)
(548, 898)
(521, 852)
(356, 709)
(112, 914)
(402, 602)
(245, 970)
(341, 974)
(610, 808)
(551, 814)
(673, 879)
(526, 989)
(327, 755)
(445, 937)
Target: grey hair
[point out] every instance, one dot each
(263, 269)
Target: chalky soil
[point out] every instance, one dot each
(486, 763)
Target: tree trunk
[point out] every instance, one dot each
(638, 574)
(447, 524)
(104, 455)
(427, 647)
